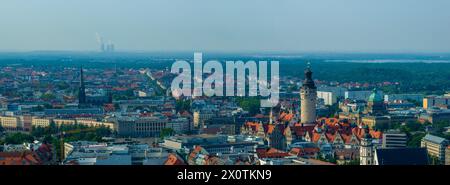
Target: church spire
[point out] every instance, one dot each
(81, 90)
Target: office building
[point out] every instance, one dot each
(394, 139)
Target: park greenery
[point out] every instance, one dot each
(53, 135)
(250, 104)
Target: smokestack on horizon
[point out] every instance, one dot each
(104, 47)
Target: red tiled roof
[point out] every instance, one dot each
(315, 137)
(270, 129)
(359, 132)
(286, 116)
(271, 153)
(19, 158)
(259, 116)
(301, 131)
(330, 137)
(304, 151)
(173, 159)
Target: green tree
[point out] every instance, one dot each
(250, 104)
(48, 106)
(414, 126)
(1, 130)
(352, 162)
(18, 138)
(166, 132)
(183, 105)
(414, 140)
(48, 96)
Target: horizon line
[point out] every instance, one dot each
(224, 52)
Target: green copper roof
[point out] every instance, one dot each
(375, 97)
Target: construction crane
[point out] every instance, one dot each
(61, 137)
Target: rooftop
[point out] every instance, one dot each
(434, 139)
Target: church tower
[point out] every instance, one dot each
(308, 96)
(365, 148)
(81, 90)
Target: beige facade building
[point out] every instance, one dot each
(40, 122)
(376, 121)
(85, 122)
(11, 122)
(95, 123)
(59, 122)
(435, 146)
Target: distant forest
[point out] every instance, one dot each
(427, 78)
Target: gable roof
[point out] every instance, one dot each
(402, 156)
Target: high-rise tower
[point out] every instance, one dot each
(81, 90)
(308, 96)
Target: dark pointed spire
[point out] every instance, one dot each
(81, 90)
(308, 82)
(81, 77)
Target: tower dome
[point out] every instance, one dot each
(375, 96)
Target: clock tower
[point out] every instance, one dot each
(308, 96)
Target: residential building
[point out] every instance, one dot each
(40, 122)
(403, 97)
(11, 123)
(357, 95)
(95, 123)
(435, 146)
(436, 101)
(329, 98)
(179, 125)
(60, 122)
(201, 116)
(435, 114)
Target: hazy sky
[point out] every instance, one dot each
(227, 25)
